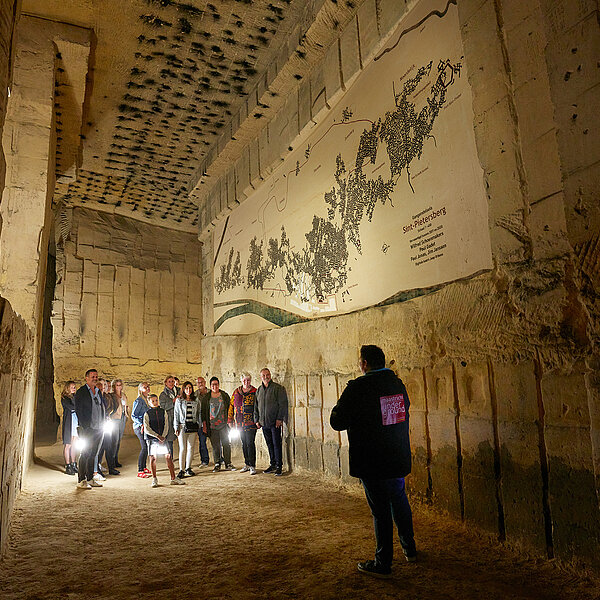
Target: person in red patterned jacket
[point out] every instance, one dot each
(374, 409)
(241, 416)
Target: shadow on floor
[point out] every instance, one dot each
(42, 463)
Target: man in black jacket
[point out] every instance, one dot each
(374, 410)
(90, 411)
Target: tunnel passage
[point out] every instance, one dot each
(237, 185)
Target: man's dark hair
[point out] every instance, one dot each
(214, 379)
(87, 373)
(373, 355)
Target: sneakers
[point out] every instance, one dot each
(74, 467)
(118, 465)
(370, 567)
(69, 470)
(216, 468)
(278, 472)
(147, 470)
(177, 481)
(181, 474)
(84, 485)
(99, 477)
(252, 471)
(230, 467)
(114, 472)
(411, 558)
(244, 469)
(271, 469)
(143, 474)
(202, 465)
(154, 482)
(189, 473)
(94, 483)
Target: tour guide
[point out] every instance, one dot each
(374, 410)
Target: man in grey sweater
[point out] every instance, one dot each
(270, 411)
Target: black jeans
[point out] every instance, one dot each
(92, 438)
(219, 438)
(249, 446)
(202, 447)
(387, 500)
(273, 439)
(143, 456)
(121, 427)
(109, 445)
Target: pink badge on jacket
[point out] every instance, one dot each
(393, 410)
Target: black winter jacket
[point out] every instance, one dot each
(374, 410)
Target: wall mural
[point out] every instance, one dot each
(383, 201)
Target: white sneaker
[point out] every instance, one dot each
(177, 481)
(94, 483)
(155, 482)
(84, 485)
(244, 469)
(252, 471)
(98, 477)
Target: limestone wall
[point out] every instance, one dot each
(17, 400)
(8, 11)
(127, 300)
(501, 368)
(17, 357)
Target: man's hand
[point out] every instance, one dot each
(257, 425)
(161, 439)
(278, 423)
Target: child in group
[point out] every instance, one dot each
(156, 427)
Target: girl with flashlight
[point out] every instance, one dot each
(156, 429)
(186, 422)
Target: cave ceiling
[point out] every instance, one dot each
(164, 78)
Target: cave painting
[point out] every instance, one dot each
(383, 201)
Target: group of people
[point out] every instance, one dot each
(179, 413)
(374, 409)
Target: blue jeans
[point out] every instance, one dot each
(273, 439)
(388, 503)
(202, 447)
(143, 455)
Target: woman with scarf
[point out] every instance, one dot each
(186, 423)
(241, 416)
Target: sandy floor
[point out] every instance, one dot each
(232, 535)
